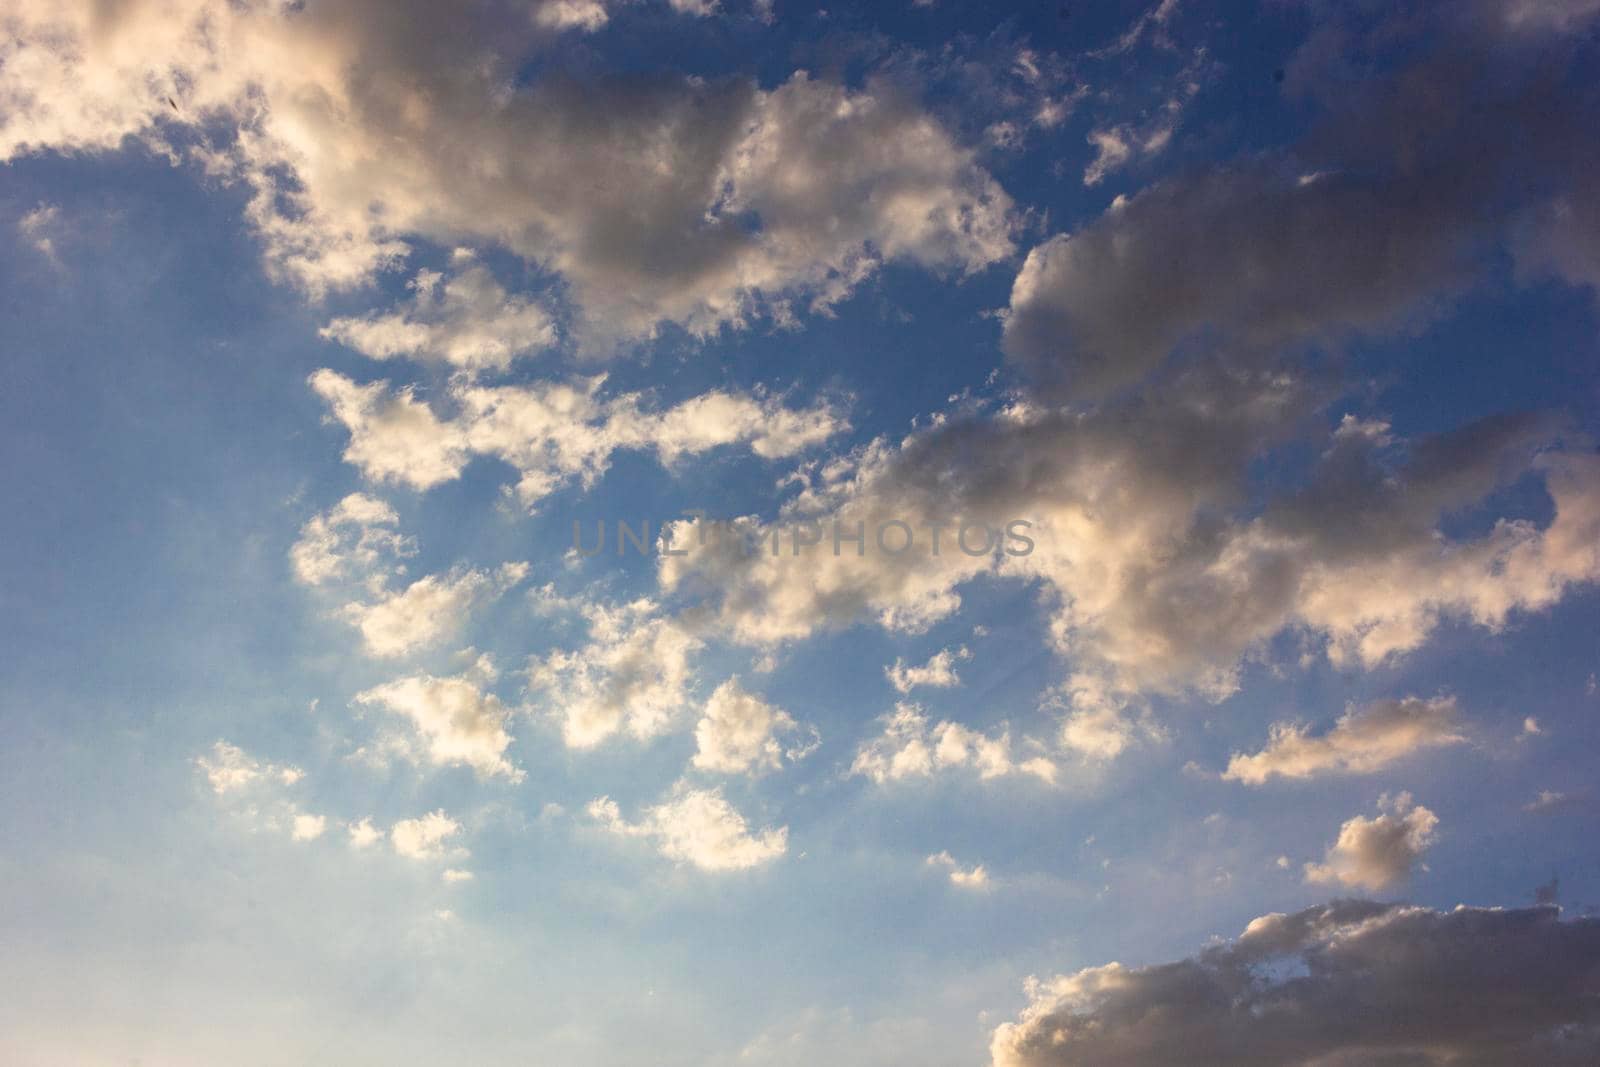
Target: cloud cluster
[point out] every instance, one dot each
(1165, 568)
(1363, 740)
(698, 827)
(356, 127)
(230, 769)
(1351, 983)
(909, 747)
(553, 433)
(1378, 853)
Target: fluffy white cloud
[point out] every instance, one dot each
(698, 827)
(230, 769)
(1351, 983)
(428, 610)
(738, 733)
(554, 433)
(352, 536)
(363, 834)
(1363, 740)
(308, 827)
(667, 200)
(425, 837)
(1378, 853)
(458, 722)
(464, 319)
(938, 673)
(909, 747)
(634, 674)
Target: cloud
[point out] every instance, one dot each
(1362, 741)
(352, 536)
(585, 16)
(1388, 207)
(459, 723)
(1353, 983)
(423, 838)
(1378, 853)
(697, 202)
(634, 674)
(738, 733)
(363, 834)
(961, 877)
(910, 748)
(938, 673)
(464, 320)
(428, 610)
(454, 875)
(1162, 568)
(698, 827)
(554, 433)
(308, 827)
(230, 769)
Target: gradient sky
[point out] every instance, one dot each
(324, 323)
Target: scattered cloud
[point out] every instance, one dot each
(1362, 741)
(698, 827)
(910, 748)
(738, 733)
(938, 673)
(1378, 853)
(429, 610)
(458, 723)
(423, 838)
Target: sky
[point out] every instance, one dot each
(1242, 363)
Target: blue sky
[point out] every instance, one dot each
(325, 324)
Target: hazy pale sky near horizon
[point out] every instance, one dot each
(1270, 737)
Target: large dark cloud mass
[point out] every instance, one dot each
(1348, 984)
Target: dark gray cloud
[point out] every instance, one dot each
(1351, 983)
(1399, 199)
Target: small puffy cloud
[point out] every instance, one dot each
(453, 875)
(423, 838)
(308, 827)
(394, 437)
(363, 834)
(738, 733)
(464, 320)
(352, 536)
(1362, 741)
(458, 723)
(938, 673)
(698, 827)
(909, 747)
(428, 610)
(1096, 722)
(634, 675)
(1378, 853)
(585, 16)
(230, 769)
(962, 877)
(1350, 983)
